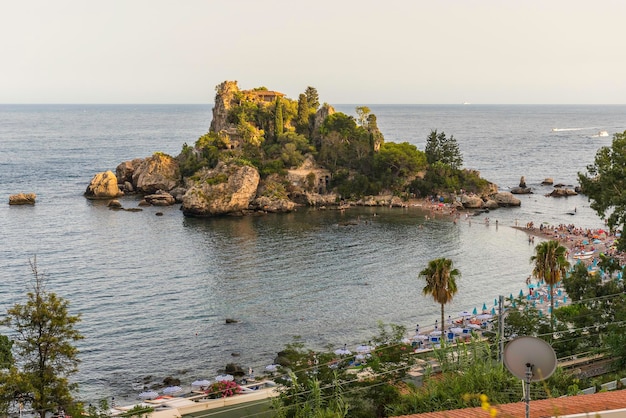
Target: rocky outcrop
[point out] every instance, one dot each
(316, 199)
(472, 201)
(266, 204)
(226, 189)
(224, 98)
(22, 199)
(505, 199)
(380, 200)
(160, 198)
(124, 171)
(521, 190)
(159, 172)
(522, 182)
(320, 116)
(103, 186)
(562, 193)
(547, 181)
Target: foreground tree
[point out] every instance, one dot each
(605, 184)
(44, 351)
(440, 282)
(550, 265)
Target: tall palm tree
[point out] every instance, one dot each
(440, 282)
(551, 265)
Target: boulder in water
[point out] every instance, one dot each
(22, 199)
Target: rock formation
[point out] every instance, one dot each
(521, 190)
(103, 186)
(226, 189)
(472, 201)
(22, 199)
(547, 181)
(505, 199)
(159, 172)
(562, 193)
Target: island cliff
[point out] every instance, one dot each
(267, 153)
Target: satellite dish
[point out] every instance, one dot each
(525, 354)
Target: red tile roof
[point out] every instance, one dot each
(603, 401)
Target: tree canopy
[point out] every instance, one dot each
(605, 184)
(440, 279)
(444, 150)
(44, 352)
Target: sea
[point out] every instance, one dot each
(154, 292)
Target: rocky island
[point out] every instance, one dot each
(267, 153)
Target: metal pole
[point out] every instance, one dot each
(529, 375)
(501, 328)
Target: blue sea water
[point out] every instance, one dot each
(154, 291)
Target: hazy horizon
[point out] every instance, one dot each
(402, 52)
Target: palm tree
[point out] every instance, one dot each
(551, 265)
(440, 282)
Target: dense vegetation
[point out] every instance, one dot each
(279, 135)
(605, 182)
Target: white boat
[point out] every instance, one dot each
(603, 133)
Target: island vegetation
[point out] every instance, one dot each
(274, 134)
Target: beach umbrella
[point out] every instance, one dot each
(521, 293)
(493, 311)
(474, 312)
(200, 383)
(514, 304)
(150, 394)
(511, 296)
(456, 330)
(343, 351)
(484, 306)
(271, 367)
(531, 286)
(495, 302)
(364, 349)
(171, 390)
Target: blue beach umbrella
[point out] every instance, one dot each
(495, 302)
(521, 293)
(484, 306)
(493, 311)
(474, 312)
(513, 304)
(511, 296)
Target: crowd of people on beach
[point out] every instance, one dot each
(576, 239)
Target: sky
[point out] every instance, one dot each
(351, 51)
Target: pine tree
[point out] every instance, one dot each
(44, 350)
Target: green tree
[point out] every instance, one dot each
(312, 98)
(45, 334)
(440, 279)
(441, 149)
(6, 356)
(605, 184)
(362, 113)
(279, 123)
(550, 265)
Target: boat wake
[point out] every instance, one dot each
(570, 129)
